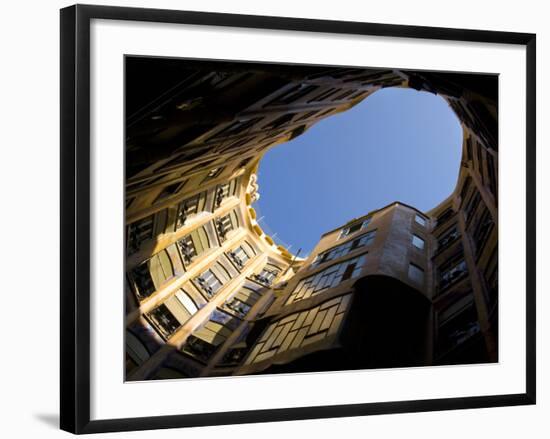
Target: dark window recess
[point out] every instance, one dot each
(163, 319)
(482, 231)
(188, 155)
(448, 238)
(143, 281)
(452, 275)
(354, 228)
(187, 249)
(480, 162)
(445, 216)
(238, 307)
(457, 330)
(224, 319)
(236, 144)
(348, 273)
(307, 115)
(343, 95)
(130, 187)
(293, 94)
(237, 127)
(169, 191)
(245, 162)
(324, 95)
(371, 76)
(325, 113)
(472, 206)
(341, 73)
(234, 356)
(280, 121)
(492, 175)
(465, 188)
(491, 278)
(138, 232)
(199, 348)
(469, 155)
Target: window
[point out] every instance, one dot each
(327, 278)
(169, 191)
(193, 245)
(480, 162)
(189, 207)
(324, 95)
(293, 94)
(143, 282)
(150, 275)
(225, 224)
(416, 273)
(237, 127)
(492, 174)
(469, 148)
(160, 268)
(457, 324)
(211, 280)
(472, 206)
(300, 329)
(465, 189)
(482, 231)
(418, 242)
(307, 115)
(239, 256)
(242, 302)
(208, 282)
(136, 352)
(245, 162)
(163, 320)
(451, 275)
(447, 238)
(268, 274)
(344, 249)
(139, 232)
(224, 191)
(206, 340)
(445, 216)
(349, 230)
(213, 173)
(236, 144)
(343, 95)
(285, 119)
(420, 220)
(199, 348)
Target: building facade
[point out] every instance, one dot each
(209, 293)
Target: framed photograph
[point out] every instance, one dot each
(272, 218)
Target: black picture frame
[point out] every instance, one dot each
(75, 217)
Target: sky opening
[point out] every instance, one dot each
(397, 145)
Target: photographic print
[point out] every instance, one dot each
(291, 218)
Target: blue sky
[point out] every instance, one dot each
(397, 145)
